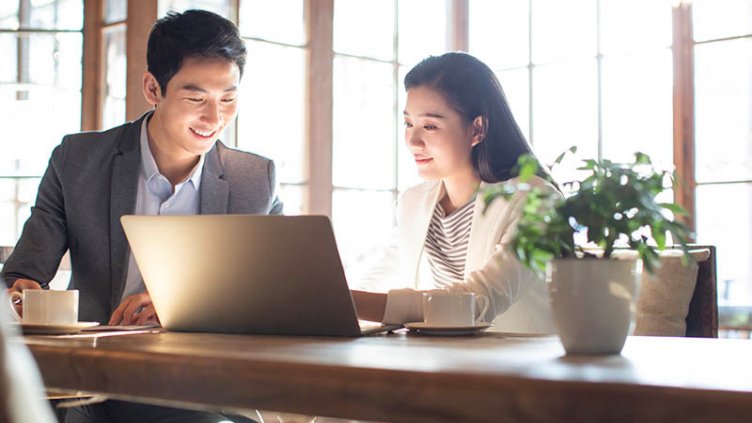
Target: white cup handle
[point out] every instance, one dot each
(481, 299)
(15, 295)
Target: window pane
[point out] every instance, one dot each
(619, 18)
(61, 14)
(630, 123)
(563, 29)
(734, 240)
(8, 66)
(33, 142)
(515, 84)
(565, 111)
(280, 20)
(364, 28)
(272, 107)
(417, 42)
(16, 197)
(55, 59)
(50, 84)
(220, 7)
(499, 32)
(46, 59)
(364, 108)
(8, 15)
(115, 10)
(407, 170)
(113, 113)
(362, 224)
(723, 110)
(718, 19)
(292, 197)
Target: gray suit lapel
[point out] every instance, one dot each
(215, 192)
(123, 190)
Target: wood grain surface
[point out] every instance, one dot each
(410, 378)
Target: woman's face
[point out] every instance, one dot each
(439, 140)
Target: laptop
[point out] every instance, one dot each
(252, 274)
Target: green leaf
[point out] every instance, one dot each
(560, 157)
(615, 201)
(528, 167)
(675, 208)
(642, 158)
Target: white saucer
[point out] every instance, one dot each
(427, 329)
(55, 329)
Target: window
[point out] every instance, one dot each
(576, 73)
(40, 72)
(375, 43)
(220, 7)
(580, 74)
(114, 34)
(598, 74)
(271, 119)
(722, 48)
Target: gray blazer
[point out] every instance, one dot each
(92, 180)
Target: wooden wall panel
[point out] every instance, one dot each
(141, 17)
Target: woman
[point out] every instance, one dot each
(461, 132)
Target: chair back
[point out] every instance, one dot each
(702, 318)
(5, 252)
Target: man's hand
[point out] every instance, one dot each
(135, 310)
(18, 286)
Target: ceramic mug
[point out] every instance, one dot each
(453, 309)
(47, 307)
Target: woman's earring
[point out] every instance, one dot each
(478, 141)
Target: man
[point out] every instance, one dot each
(167, 162)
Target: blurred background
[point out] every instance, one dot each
(322, 95)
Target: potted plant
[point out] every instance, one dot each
(593, 294)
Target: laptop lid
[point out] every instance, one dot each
(253, 274)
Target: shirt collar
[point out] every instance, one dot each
(149, 165)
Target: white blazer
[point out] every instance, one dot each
(518, 299)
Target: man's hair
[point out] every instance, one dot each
(193, 33)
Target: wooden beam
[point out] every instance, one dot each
(23, 50)
(141, 17)
(93, 75)
(459, 29)
(684, 125)
(320, 30)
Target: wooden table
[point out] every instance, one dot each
(401, 377)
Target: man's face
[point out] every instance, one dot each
(199, 102)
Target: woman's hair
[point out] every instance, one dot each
(193, 33)
(471, 89)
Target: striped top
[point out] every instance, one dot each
(446, 243)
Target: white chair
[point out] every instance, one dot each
(679, 299)
(21, 388)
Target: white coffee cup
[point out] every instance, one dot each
(47, 307)
(445, 309)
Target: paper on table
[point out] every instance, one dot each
(105, 328)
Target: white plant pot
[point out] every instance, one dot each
(593, 303)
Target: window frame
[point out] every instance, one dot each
(318, 136)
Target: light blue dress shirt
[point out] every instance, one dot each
(156, 197)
